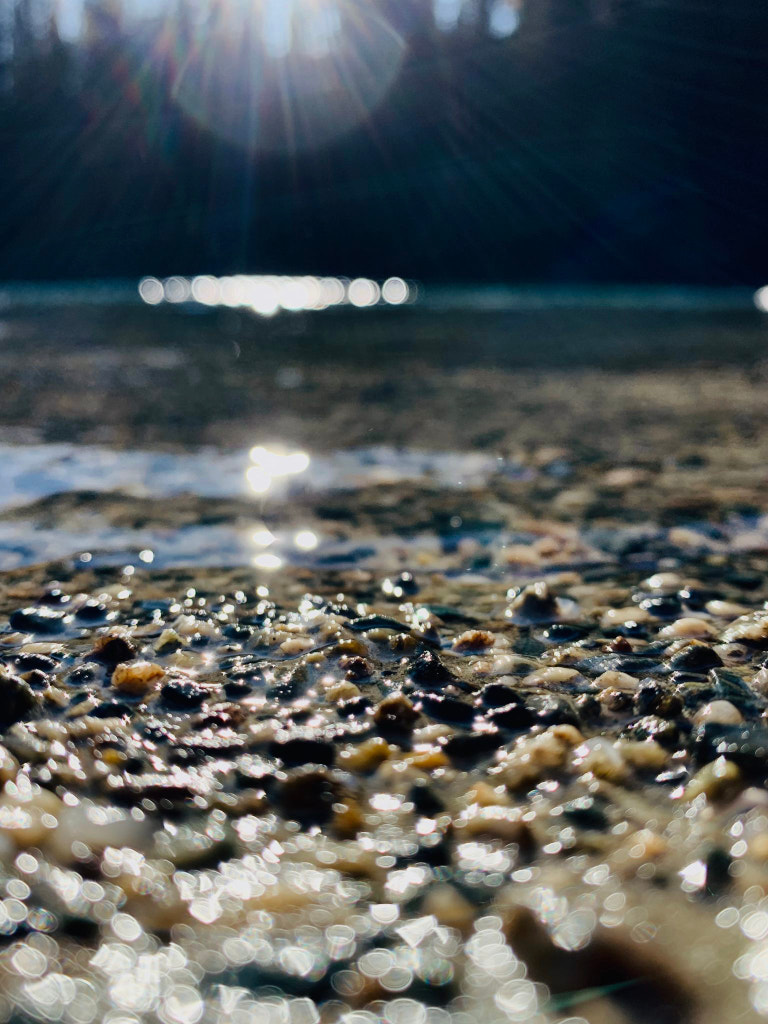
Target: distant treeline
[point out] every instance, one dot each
(551, 140)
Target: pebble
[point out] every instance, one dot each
(719, 711)
(42, 619)
(137, 678)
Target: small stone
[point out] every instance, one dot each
(428, 670)
(445, 709)
(183, 694)
(112, 649)
(586, 812)
(395, 714)
(715, 780)
(473, 640)
(295, 750)
(498, 695)
(41, 619)
(137, 678)
(512, 717)
(535, 603)
(469, 746)
(719, 711)
(696, 657)
(17, 699)
(308, 795)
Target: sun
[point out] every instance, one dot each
(286, 75)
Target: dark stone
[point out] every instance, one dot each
(718, 864)
(589, 708)
(83, 674)
(112, 709)
(499, 695)
(166, 790)
(664, 606)
(41, 619)
(632, 664)
(236, 688)
(183, 694)
(552, 710)
(55, 596)
(238, 631)
(378, 622)
(295, 750)
(308, 796)
(357, 667)
(651, 727)
(30, 662)
(112, 650)
(286, 690)
(468, 746)
(696, 598)
(428, 670)
(354, 707)
(404, 584)
(424, 799)
(647, 697)
(445, 709)
(92, 611)
(696, 657)
(586, 812)
(565, 633)
(729, 686)
(633, 630)
(17, 700)
(512, 717)
(38, 680)
(534, 603)
(746, 745)
(395, 714)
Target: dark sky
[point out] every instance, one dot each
(553, 141)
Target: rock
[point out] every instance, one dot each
(183, 694)
(535, 603)
(308, 795)
(17, 700)
(470, 746)
(696, 657)
(586, 812)
(632, 664)
(112, 649)
(664, 606)
(137, 678)
(41, 619)
(93, 611)
(395, 714)
(497, 695)
(445, 709)
(296, 749)
(512, 717)
(428, 670)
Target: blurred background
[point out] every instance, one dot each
(541, 141)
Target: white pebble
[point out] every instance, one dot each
(720, 711)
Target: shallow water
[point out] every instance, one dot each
(283, 515)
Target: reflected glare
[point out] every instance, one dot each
(263, 537)
(761, 299)
(269, 464)
(267, 561)
(363, 292)
(394, 291)
(151, 291)
(306, 540)
(266, 295)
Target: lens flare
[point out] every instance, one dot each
(287, 75)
